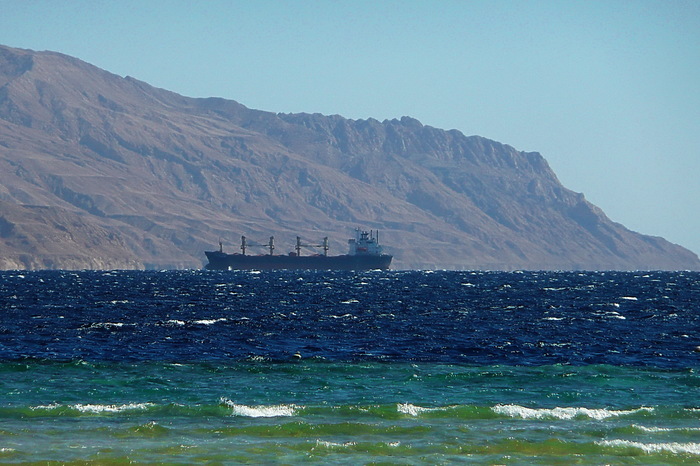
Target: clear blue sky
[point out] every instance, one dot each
(608, 91)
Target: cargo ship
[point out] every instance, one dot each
(365, 253)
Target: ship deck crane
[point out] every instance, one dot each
(323, 245)
(245, 244)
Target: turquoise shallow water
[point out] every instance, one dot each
(343, 368)
(346, 413)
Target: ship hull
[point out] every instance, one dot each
(222, 261)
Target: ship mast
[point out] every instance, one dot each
(323, 245)
(245, 244)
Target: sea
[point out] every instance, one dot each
(376, 367)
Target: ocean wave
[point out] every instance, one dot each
(338, 445)
(413, 410)
(96, 408)
(671, 447)
(93, 408)
(298, 429)
(209, 321)
(108, 325)
(564, 413)
(260, 410)
(327, 444)
(175, 322)
(654, 429)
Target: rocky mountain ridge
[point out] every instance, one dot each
(100, 171)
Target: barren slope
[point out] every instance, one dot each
(134, 176)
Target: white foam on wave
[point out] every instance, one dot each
(665, 429)
(563, 413)
(261, 411)
(108, 325)
(629, 298)
(98, 408)
(672, 447)
(209, 321)
(611, 314)
(327, 444)
(414, 410)
(350, 301)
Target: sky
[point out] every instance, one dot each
(607, 91)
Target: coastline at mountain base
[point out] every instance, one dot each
(101, 171)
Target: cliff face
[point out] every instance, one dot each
(99, 171)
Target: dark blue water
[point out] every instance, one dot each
(349, 368)
(455, 317)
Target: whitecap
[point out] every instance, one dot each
(349, 301)
(673, 447)
(414, 410)
(629, 298)
(51, 406)
(96, 408)
(327, 444)
(612, 314)
(666, 429)
(258, 358)
(261, 410)
(563, 413)
(209, 321)
(107, 325)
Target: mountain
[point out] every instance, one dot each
(100, 171)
